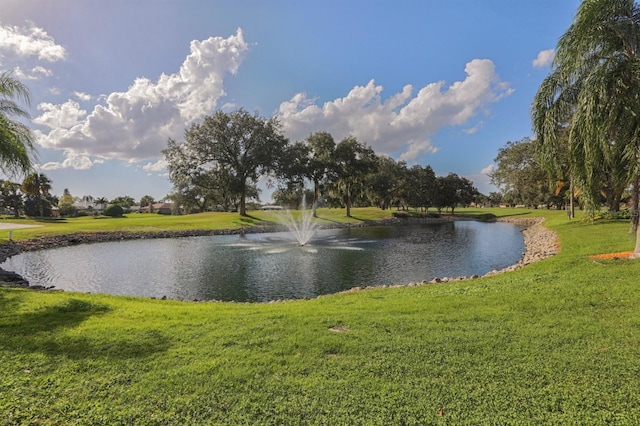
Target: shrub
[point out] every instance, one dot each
(114, 210)
(608, 215)
(486, 217)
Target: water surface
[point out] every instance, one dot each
(262, 267)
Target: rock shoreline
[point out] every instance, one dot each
(540, 243)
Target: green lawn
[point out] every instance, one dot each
(146, 222)
(556, 342)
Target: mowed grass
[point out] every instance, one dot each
(146, 222)
(556, 342)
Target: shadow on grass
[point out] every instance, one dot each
(45, 331)
(361, 220)
(249, 220)
(47, 219)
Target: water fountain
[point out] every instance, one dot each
(303, 227)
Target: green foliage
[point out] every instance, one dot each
(224, 155)
(67, 209)
(452, 191)
(487, 217)
(125, 201)
(587, 105)
(114, 210)
(611, 215)
(520, 175)
(16, 139)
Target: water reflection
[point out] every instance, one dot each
(261, 267)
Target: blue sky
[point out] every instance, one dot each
(443, 83)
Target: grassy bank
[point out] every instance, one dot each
(146, 222)
(556, 342)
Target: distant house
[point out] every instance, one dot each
(88, 206)
(160, 208)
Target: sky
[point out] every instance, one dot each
(429, 82)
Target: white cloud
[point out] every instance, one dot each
(36, 73)
(30, 41)
(85, 97)
(488, 170)
(64, 115)
(77, 162)
(544, 58)
(134, 125)
(159, 166)
(403, 122)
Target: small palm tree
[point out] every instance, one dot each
(101, 201)
(37, 185)
(16, 139)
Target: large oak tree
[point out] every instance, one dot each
(237, 145)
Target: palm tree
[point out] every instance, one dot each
(102, 201)
(16, 139)
(37, 186)
(593, 93)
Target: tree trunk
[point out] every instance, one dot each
(572, 212)
(636, 250)
(635, 203)
(316, 195)
(243, 204)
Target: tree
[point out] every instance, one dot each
(293, 170)
(16, 139)
(37, 186)
(147, 200)
(353, 162)
(321, 150)
(385, 186)
(66, 204)
(519, 174)
(452, 191)
(237, 146)
(423, 182)
(595, 82)
(10, 197)
(102, 202)
(124, 201)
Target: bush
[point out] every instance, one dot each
(608, 215)
(401, 214)
(114, 210)
(487, 217)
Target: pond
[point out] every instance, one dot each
(263, 267)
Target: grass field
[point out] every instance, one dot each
(556, 342)
(149, 222)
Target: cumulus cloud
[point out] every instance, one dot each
(134, 125)
(404, 122)
(488, 170)
(158, 166)
(85, 97)
(64, 115)
(73, 161)
(544, 58)
(36, 73)
(30, 41)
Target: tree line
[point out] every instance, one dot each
(33, 197)
(220, 161)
